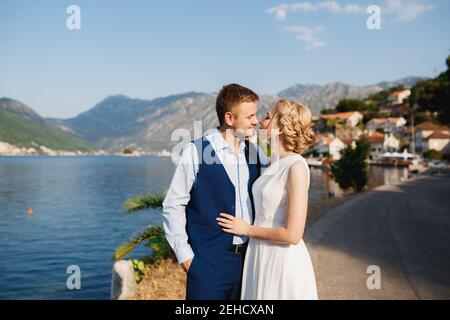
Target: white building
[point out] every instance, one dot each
(436, 141)
(431, 136)
(391, 143)
(391, 124)
(397, 97)
(381, 143)
(329, 144)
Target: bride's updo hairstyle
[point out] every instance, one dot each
(294, 121)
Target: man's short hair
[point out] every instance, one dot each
(230, 96)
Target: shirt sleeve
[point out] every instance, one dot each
(174, 205)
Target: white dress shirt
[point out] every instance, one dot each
(178, 195)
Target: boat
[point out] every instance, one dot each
(397, 159)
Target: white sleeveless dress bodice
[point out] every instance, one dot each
(276, 271)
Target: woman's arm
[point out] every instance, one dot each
(297, 205)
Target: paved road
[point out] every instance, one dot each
(403, 229)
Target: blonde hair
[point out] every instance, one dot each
(294, 121)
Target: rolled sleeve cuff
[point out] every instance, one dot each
(184, 254)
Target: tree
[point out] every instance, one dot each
(381, 97)
(345, 105)
(350, 171)
(127, 151)
(327, 111)
(434, 95)
(433, 154)
(153, 235)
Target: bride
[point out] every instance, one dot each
(277, 263)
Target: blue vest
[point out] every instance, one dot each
(213, 193)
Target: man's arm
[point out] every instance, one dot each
(174, 205)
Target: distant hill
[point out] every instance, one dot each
(119, 121)
(322, 97)
(407, 82)
(21, 126)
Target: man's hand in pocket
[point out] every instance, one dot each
(186, 265)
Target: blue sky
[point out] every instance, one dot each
(148, 49)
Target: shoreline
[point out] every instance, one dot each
(11, 150)
(80, 155)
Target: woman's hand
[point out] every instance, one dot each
(231, 224)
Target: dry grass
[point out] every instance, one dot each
(166, 280)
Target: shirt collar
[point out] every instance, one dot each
(220, 143)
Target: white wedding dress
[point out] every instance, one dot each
(276, 271)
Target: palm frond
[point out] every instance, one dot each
(147, 234)
(145, 201)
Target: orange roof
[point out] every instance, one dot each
(374, 137)
(347, 141)
(438, 135)
(382, 120)
(377, 134)
(393, 119)
(339, 115)
(397, 93)
(327, 139)
(429, 126)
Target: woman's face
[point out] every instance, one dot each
(269, 124)
(266, 121)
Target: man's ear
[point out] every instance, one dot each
(229, 119)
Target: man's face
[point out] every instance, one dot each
(245, 119)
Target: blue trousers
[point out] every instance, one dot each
(207, 280)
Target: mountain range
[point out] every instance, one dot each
(119, 121)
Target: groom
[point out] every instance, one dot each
(215, 174)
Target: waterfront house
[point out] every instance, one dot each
(431, 136)
(328, 144)
(389, 125)
(398, 97)
(350, 118)
(381, 143)
(393, 110)
(343, 125)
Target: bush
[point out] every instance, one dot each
(350, 171)
(433, 154)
